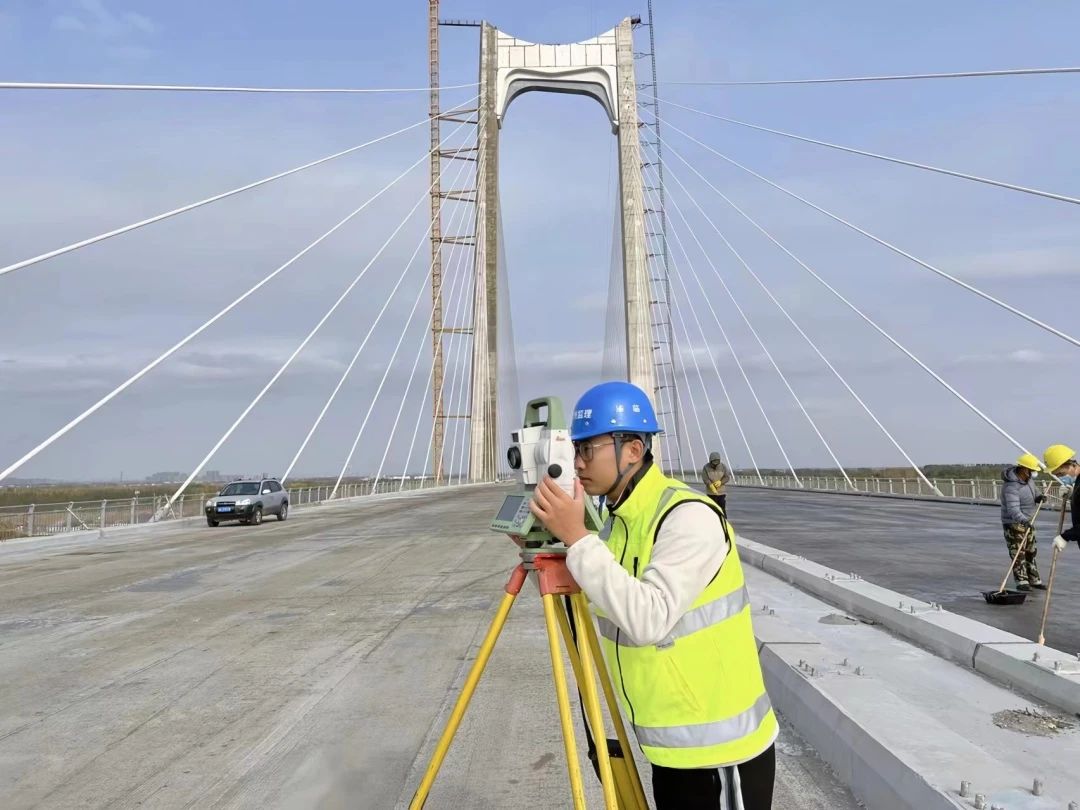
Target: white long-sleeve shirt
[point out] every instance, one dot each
(688, 552)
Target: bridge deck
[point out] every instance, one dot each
(940, 552)
(297, 665)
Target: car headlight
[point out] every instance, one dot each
(245, 502)
(209, 504)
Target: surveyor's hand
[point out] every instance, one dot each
(1059, 543)
(561, 515)
(1040, 499)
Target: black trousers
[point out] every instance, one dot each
(704, 789)
(721, 501)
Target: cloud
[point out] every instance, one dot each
(1027, 357)
(1035, 262)
(8, 22)
(591, 303)
(69, 22)
(92, 17)
(560, 359)
(65, 373)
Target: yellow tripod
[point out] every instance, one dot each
(621, 784)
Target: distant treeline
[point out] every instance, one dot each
(989, 470)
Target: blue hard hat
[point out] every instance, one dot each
(613, 407)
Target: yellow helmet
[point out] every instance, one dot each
(1029, 461)
(1056, 455)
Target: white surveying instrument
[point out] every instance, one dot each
(540, 447)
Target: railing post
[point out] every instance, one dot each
(101, 519)
(181, 513)
(67, 517)
(30, 521)
(131, 520)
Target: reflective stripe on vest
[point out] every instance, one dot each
(702, 735)
(699, 618)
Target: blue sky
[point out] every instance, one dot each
(75, 164)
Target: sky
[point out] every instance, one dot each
(74, 164)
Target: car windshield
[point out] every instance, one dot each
(242, 489)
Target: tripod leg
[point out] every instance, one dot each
(577, 789)
(463, 701)
(592, 705)
(568, 640)
(589, 631)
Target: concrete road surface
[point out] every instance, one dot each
(939, 552)
(305, 664)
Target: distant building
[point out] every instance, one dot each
(212, 476)
(165, 477)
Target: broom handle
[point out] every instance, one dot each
(1019, 551)
(1050, 583)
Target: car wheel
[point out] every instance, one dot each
(256, 516)
(211, 522)
(283, 512)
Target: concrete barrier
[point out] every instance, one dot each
(1042, 672)
(903, 727)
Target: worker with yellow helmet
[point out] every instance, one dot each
(1061, 460)
(1018, 500)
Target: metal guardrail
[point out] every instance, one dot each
(979, 490)
(46, 519)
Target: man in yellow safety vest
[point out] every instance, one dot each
(1060, 460)
(667, 587)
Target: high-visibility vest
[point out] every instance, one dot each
(697, 699)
